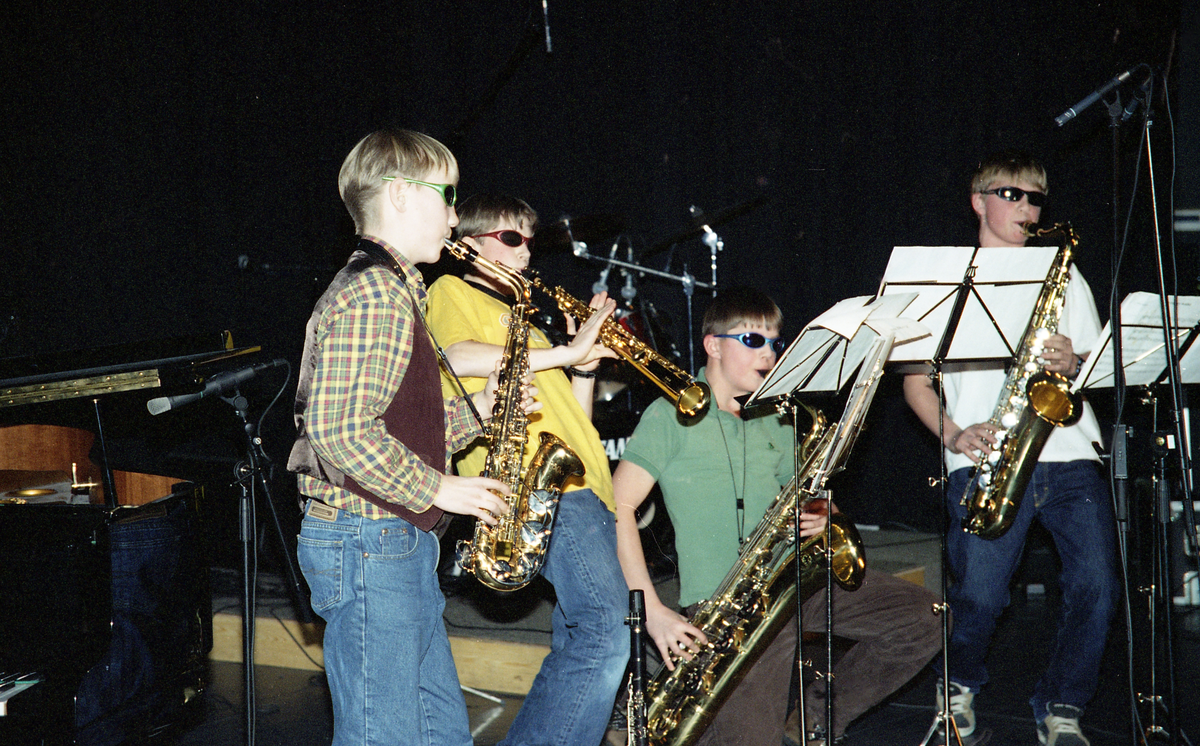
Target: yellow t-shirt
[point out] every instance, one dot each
(458, 312)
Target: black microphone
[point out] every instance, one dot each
(221, 383)
(1094, 96)
(1144, 91)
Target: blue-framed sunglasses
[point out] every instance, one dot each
(754, 340)
(448, 192)
(1013, 194)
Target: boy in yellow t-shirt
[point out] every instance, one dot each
(572, 697)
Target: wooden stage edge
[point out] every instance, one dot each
(491, 665)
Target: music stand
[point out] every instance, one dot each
(857, 334)
(979, 302)
(1148, 346)
(1144, 353)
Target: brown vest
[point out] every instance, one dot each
(416, 415)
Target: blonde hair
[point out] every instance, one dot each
(1008, 166)
(401, 153)
(740, 305)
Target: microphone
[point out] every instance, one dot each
(221, 383)
(601, 285)
(1144, 90)
(710, 238)
(546, 23)
(1094, 96)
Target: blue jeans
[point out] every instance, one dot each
(1071, 501)
(387, 657)
(572, 697)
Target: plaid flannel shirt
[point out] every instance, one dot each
(365, 338)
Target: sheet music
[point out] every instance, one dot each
(1143, 344)
(833, 345)
(998, 306)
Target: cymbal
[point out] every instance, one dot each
(711, 221)
(589, 229)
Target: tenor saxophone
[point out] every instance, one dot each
(690, 397)
(1032, 403)
(510, 554)
(755, 600)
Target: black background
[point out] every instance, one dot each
(170, 168)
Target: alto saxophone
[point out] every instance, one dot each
(510, 554)
(1032, 403)
(755, 600)
(690, 396)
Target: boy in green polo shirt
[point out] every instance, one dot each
(718, 473)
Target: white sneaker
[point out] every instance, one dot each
(961, 708)
(1060, 727)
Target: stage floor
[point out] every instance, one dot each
(293, 705)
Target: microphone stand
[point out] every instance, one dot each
(1160, 587)
(251, 475)
(687, 282)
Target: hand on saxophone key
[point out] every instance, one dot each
(475, 496)
(974, 442)
(585, 340)
(813, 517)
(1058, 356)
(485, 400)
(674, 637)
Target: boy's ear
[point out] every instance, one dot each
(977, 203)
(397, 193)
(711, 346)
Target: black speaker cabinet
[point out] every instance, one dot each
(113, 608)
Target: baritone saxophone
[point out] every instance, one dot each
(756, 599)
(759, 595)
(510, 554)
(690, 397)
(1032, 403)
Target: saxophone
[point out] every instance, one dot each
(1032, 403)
(510, 554)
(689, 396)
(755, 600)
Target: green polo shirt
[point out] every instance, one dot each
(702, 466)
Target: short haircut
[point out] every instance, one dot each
(481, 213)
(400, 153)
(1008, 166)
(740, 305)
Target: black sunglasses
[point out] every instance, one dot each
(754, 340)
(1013, 194)
(508, 238)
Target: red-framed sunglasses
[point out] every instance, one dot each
(508, 238)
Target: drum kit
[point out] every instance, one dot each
(621, 393)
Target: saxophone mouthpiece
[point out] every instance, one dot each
(1030, 229)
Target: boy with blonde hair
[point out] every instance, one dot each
(1066, 494)
(374, 439)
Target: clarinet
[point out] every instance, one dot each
(635, 712)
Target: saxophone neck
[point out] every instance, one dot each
(1062, 231)
(502, 272)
